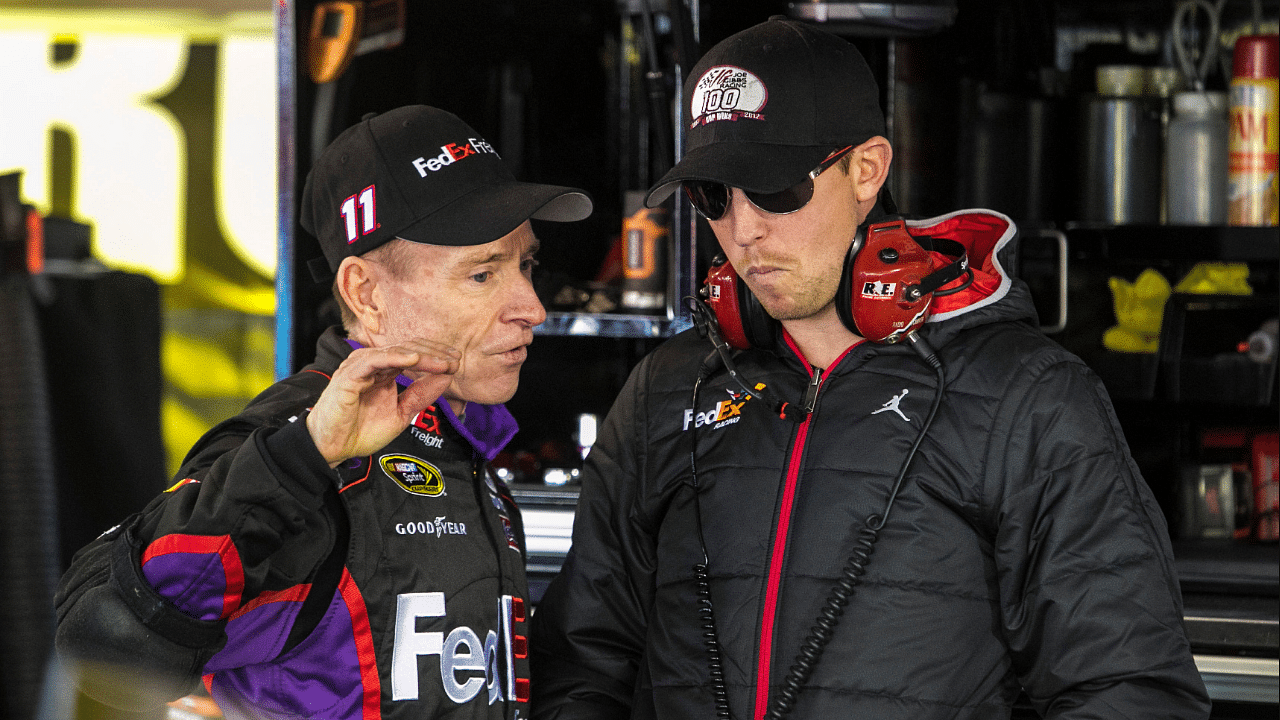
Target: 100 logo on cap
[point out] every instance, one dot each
(727, 93)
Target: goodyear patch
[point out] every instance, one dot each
(413, 475)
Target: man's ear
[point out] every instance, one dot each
(870, 167)
(357, 282)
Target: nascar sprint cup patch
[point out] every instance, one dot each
(415, 476)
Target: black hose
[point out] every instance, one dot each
(655, 78)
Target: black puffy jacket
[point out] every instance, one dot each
(1024, 550)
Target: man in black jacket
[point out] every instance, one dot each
(339, 548)
(866, 486)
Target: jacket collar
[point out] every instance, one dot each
(488, 428)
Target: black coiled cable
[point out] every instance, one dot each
(813, 646)
(828, 617)
(854, 568)
(719, 689)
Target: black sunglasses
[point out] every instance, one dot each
(712, 198)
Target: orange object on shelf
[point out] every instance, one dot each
(35, 242)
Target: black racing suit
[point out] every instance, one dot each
(1023, 552)
(393, 587)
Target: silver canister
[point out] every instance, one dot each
(1196, 160)
(1121, 149)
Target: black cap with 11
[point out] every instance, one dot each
(421, 174)
(766, 105)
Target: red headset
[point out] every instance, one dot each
(886, 288)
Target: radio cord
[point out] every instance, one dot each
(705, 322)
(706, 613)
(811, 651)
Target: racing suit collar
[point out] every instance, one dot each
(488, 428)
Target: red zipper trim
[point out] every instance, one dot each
(780, 544)
(775, 572)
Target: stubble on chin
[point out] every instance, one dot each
(806, 300)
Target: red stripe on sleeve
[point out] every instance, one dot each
(297, 593)
(354, 483)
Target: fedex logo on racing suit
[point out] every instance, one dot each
(426, 427)
(467, 664)
(725, 412)
(452, 153)
(428, 420)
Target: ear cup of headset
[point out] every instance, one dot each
(844, 292)
(879, 296)
(743, 321)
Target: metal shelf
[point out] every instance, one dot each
(1241, 679)
(876, 19)
(1226, 566)
(1176, 242)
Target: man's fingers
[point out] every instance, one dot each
(433, 362)
(377, 364)
(430, 347)
(433, 357)
(422, 392)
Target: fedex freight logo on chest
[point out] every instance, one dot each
(452, 153)
(726, 92)
(725, 412)
(426, 428)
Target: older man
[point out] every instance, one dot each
(338, 549)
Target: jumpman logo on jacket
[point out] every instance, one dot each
(892, 405)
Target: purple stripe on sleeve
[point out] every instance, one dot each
(320, 678)
(195, 582)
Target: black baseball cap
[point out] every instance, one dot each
(766, 105)
(422, 174)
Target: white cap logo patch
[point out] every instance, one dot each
(727, 93)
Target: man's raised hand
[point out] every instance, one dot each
(361, 410)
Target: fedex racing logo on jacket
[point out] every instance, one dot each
(725, 412)
(468, 664)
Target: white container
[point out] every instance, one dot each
(1196, 159)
